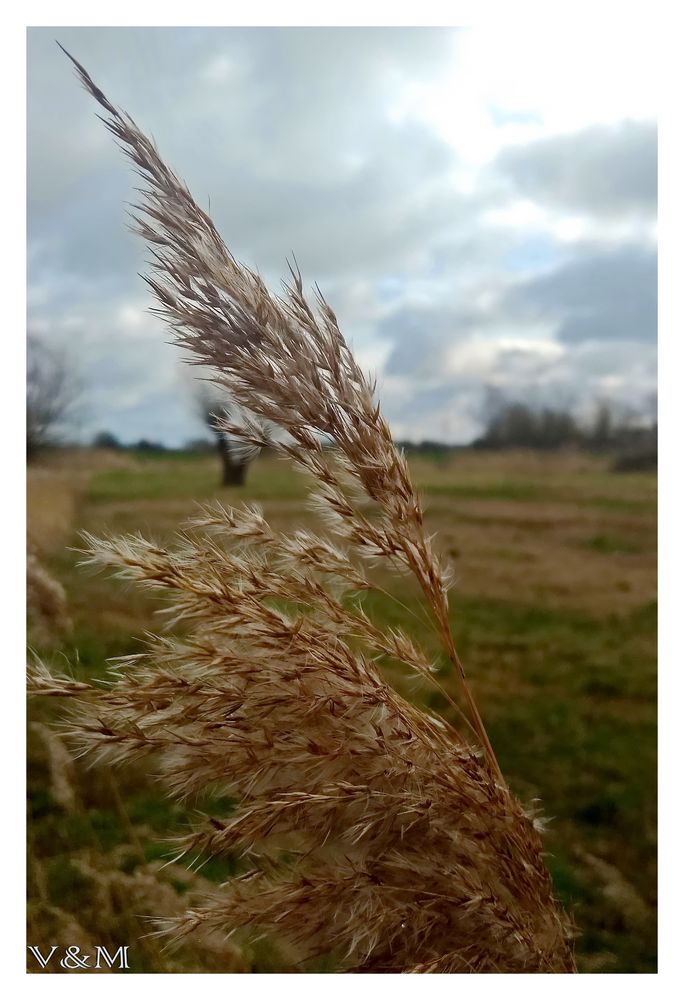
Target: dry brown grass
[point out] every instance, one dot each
(55, 484)
(45, 602)
(51, 499)
(371, 831)
(114, 898)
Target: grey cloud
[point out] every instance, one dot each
(421, 337)
(604, 170)
(521, 365)
(293, 149)
(580, 375)
(446, 409)
(606, 295)
(602, 306)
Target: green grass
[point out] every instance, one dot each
(613, 544)
(196, 479)
(533, 492)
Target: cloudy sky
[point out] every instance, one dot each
(478, 206)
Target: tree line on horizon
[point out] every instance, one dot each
(631, 440)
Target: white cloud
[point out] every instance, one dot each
(479, 358)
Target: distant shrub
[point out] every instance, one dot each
(105, 439)
(644, 459)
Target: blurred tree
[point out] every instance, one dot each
(519, 425)
(105, 439)
(602, 431)
(52, 389)
(556, 429)
(629, 434)
(144, 444)
(214, 409)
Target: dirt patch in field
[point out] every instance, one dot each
(550, 555)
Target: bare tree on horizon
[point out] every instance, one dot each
(52, 389)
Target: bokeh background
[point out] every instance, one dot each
(479, 207)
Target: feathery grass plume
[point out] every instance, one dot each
(371, 831)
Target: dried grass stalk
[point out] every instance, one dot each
(46, 602)
(371, 831)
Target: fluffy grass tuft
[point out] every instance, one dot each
(369, 830)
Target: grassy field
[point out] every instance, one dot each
(554, 612)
